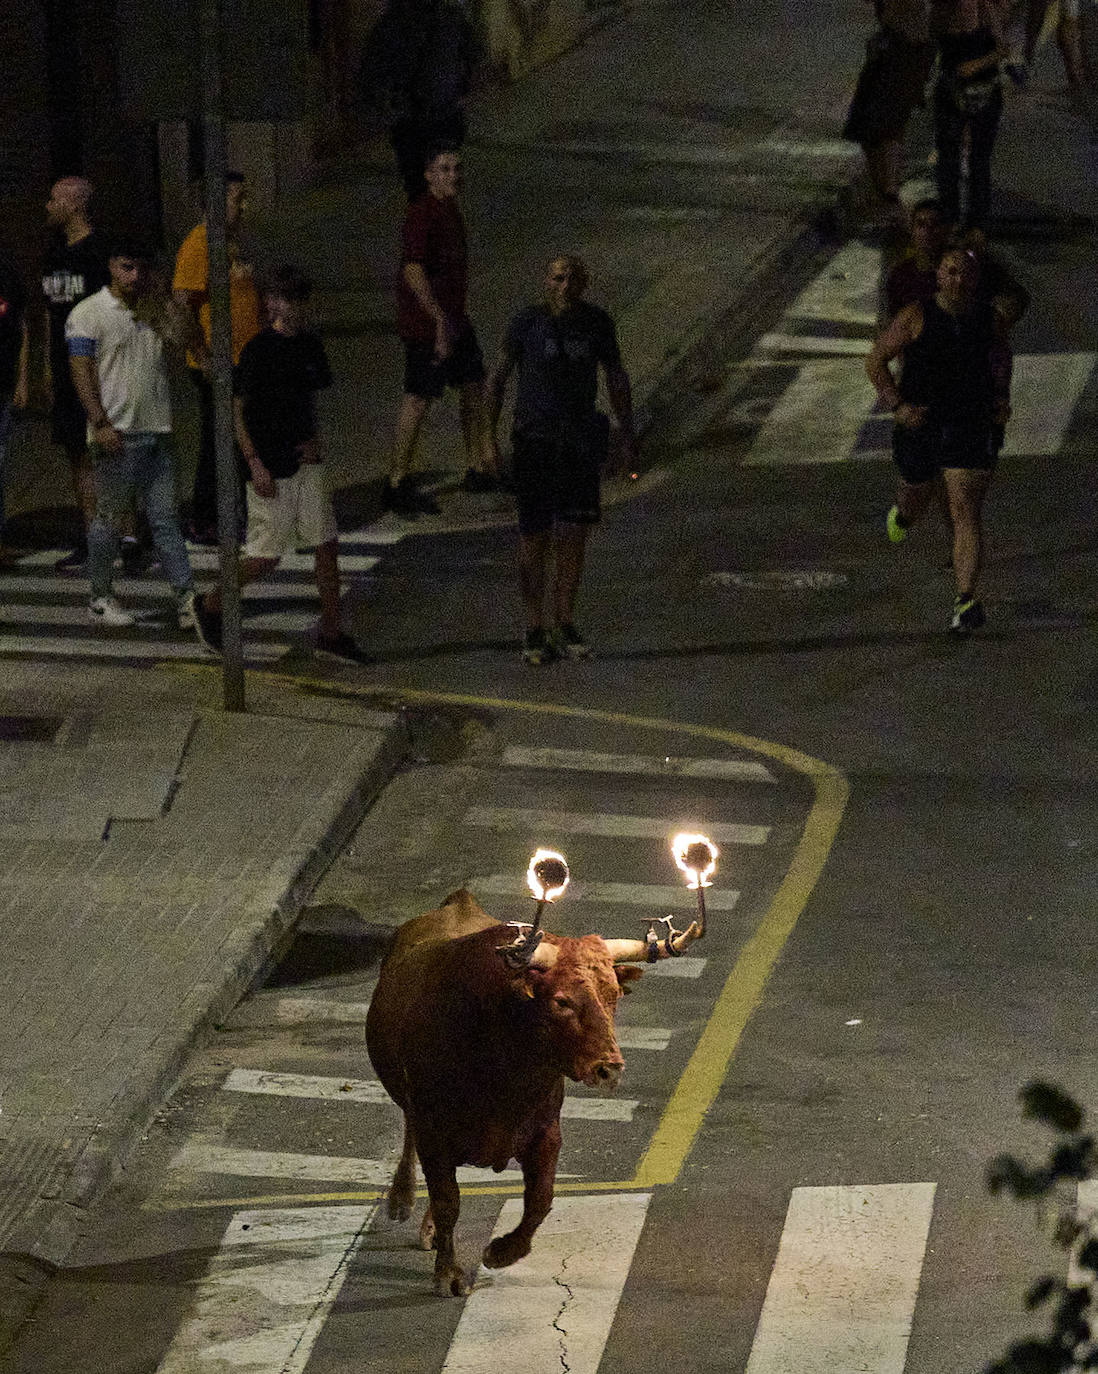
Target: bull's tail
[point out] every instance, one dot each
(402, 1190)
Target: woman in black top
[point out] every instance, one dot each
(968, 98)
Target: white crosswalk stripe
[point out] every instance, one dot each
(268, 1291)
(608, 824)
(842, 1291)
(592, 761)
(663, 895)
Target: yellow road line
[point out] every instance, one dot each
(701, 1080)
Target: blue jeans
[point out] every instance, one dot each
(5, 435)
(146, 465)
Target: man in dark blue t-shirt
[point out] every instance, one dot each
(559, 444)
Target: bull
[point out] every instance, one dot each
(472, 1032)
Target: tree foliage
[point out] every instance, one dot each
(1071, 1343)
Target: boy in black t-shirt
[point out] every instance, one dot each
(279, 372)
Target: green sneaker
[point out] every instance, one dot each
(968, 615)
(896, 532)
(536, 648)
(567, 642)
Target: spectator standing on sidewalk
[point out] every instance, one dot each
(899, 55)
(118, 370)
(418, 65)
(968, 103)
(13, 372)
(559, 445)
(191, 287)
(440, 344)
(279, 373)
(950, 402)
(75, 267)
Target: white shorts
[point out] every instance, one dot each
(300, 516)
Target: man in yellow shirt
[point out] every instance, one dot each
(191, 288)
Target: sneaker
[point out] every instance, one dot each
(184, 610)
(105, 610)
(477, 482)
(567, 642)
(207, 626)
(896, 532)
(968, 615)
(74, 562)
(536, 649)
(401, 499)
(341, 646)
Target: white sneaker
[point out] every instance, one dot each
(184, 608)
(105, 610)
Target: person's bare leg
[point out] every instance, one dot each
(409, 420)
(533, 558)
(884, 162)
(912, 499)
(571, 541)
(251, 570)
(967, 488)
(1069, 39)
(471, 406)
(327, 584)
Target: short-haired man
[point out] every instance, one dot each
(191, 288)
(559, 445)
(117, 364)
(74, 268)
(915, 276)
(13, 372)
(440, 344)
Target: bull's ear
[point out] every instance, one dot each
(627, 973)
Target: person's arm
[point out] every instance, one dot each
(495, 388)
(620, 395)
(262, 480)
(21, 395)
(891, 342)
(420, 287)
(85, 378)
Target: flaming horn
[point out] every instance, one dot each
(547, 878)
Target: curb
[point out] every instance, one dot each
(41, 1243)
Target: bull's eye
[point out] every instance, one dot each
(562, 1003)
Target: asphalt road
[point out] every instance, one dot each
(790, 1175)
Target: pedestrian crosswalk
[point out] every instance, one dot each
(803, 398)
(44, 614)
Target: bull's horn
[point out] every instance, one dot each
(527, 950)
(639, 951)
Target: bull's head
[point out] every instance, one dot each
(575, 986)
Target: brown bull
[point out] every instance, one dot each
(472, 1032)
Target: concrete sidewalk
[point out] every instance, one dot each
(157, 851)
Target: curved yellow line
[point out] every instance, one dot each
(701, 1079)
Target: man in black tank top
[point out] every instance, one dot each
(950, 403)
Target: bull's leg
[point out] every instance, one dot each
(445, 1206)
(427, 1230)
(539, 1173)
(402, 1190)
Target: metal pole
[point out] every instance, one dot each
(221, 360)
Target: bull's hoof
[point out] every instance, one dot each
(452, 1281)
(505, 1250)
(427, 1233)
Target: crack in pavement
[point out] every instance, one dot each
(563, 1334)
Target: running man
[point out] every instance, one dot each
(949, 404)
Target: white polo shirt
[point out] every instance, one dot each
(129, 355)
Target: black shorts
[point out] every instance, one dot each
(556, 481)
(889, 87)
(68, 421)
(425, 376)
(921, 453)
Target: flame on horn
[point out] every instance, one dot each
(547, 875)
(697, 856)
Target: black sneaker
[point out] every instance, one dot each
(968, 615)
(477, 482)
(401, 499)
(567, 642)
(74, 562)
(343, 647)
(536, 648)
(207, 626)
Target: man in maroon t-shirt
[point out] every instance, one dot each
(915, 277)
(440, 345)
